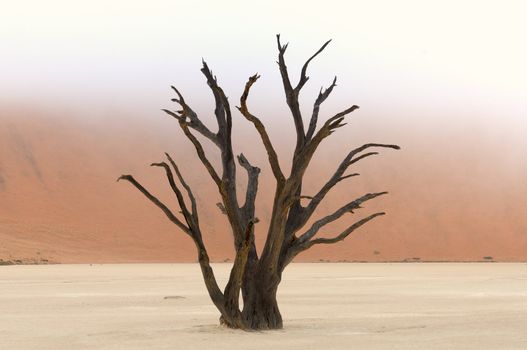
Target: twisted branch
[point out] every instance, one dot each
(194, 122)
(291, 96)
(158, 203)
(298, 248)
(344, 233)
(248, 207)
(201, 153)
(339, 174)
(186, 187)
(348, 208)
(322, 96)
(271, 153)
(303, 77)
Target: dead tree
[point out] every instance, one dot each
(257, 276)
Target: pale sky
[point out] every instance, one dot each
(418, 54)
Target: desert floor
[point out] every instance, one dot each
(325, 306)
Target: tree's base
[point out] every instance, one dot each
(254, 324)
(262, 318)
(260, 313)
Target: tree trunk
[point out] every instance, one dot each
(260, 307)
(261, 311)
(259, 286)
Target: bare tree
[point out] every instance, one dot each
(257, 276)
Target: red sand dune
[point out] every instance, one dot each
(59, 200)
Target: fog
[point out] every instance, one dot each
(443, 80)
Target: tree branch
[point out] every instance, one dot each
(304, 214)
(308, 244)
(228, 179)
(194, 121)
(293, 93)
(187, 188)
(211, 284)
(369, 145)
(348, 208)
(271, 153)
(222, 110)
(362, 156)
(336, 121)
(189, 217)
(304, 149)
(303, 77)
(232, 289)
(281, 63)
(291, 96)
(201, 153)
(322, 96)
(303, 159)
(287, 200)
(158, 203)
(346, 232)
(339, 174)
(248, 207)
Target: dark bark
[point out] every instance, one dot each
(256, 278)
(260, 310)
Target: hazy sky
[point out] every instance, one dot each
(438, 71)
(418, 54)
(447, 74)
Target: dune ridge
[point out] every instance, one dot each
(59, 201)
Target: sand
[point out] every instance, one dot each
(59, 201)
(325, 306)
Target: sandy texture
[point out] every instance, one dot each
(325, 306)
(59, 200)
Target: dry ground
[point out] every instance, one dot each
(325, 306)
